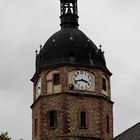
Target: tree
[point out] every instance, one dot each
(4, 136)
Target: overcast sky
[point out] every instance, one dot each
(24, 24)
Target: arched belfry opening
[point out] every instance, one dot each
(69, 13)
(69, 7)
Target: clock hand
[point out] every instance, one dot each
(77, 80)
(81, 80)
(84, 80)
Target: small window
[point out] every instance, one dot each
(52, 116)
(72, 56)
(36, 126)
(83, 119)
(107, 124)
(83, 139)
(56, 79)
(104, 87)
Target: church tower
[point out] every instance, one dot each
(71, 85)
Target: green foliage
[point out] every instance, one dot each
(4, 136)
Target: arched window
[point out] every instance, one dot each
(53, 82)
(107, 124)
(82, 119)
(72, 56)
(36, 126)
(56, 79)
(52, 119)
(83, 138)
(104, 86)
(38, 88)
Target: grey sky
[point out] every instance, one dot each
(25, 24)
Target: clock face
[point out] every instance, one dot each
(38, 88)
(81, 80)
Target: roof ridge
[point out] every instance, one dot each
(127, 130)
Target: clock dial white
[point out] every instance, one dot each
(38, 88)
(81, 80)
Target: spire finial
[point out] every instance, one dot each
(40, 46)
(100, 47)
(36, 51)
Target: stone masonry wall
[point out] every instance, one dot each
(68, 104)
(68, 107)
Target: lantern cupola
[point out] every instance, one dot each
(69, 14)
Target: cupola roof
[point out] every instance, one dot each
(70, 46)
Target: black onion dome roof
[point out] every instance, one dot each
(70, 46)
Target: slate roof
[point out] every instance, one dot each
(67, 43)
(132, 133)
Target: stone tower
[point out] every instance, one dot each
(71, 85)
